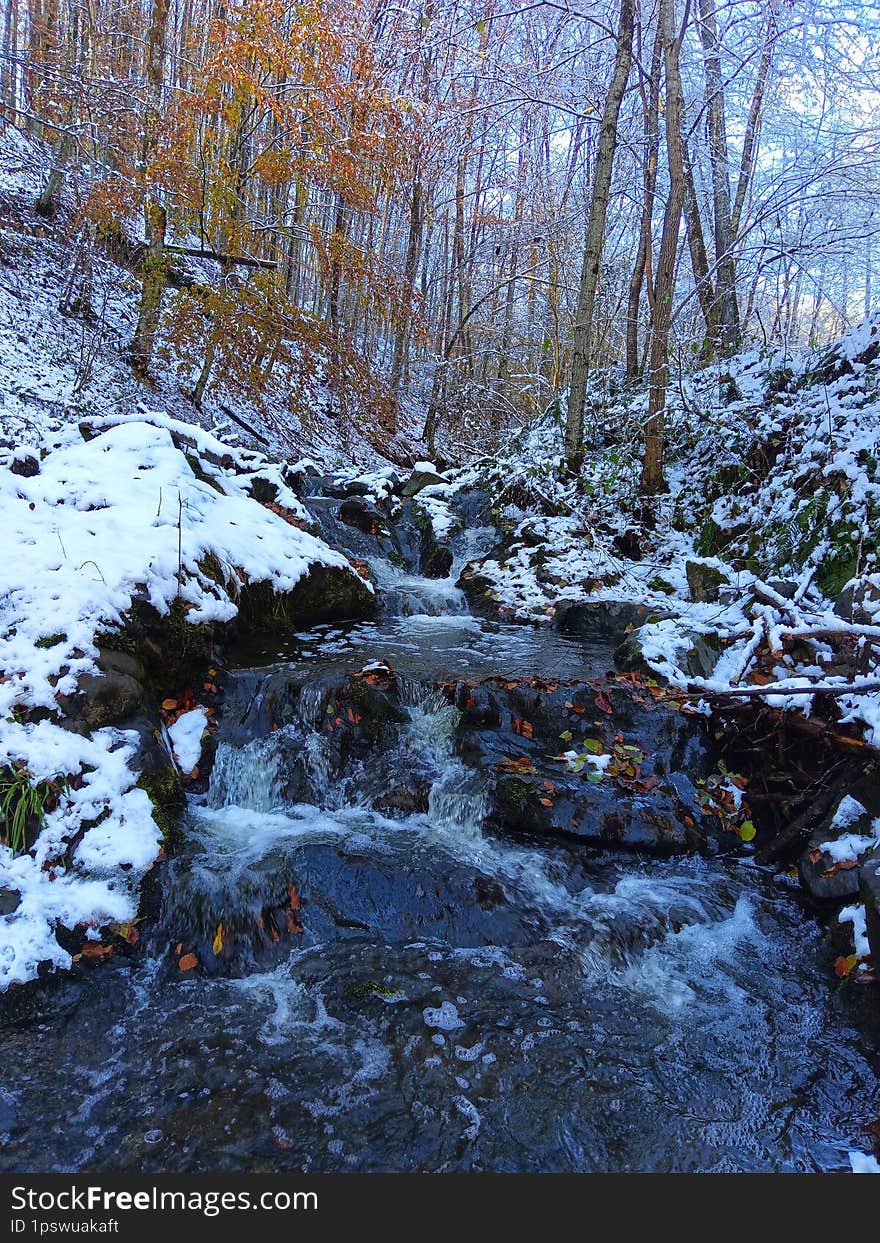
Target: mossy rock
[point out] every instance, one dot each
(711, 539)
(704, 581)
(324, 593)
(169, 646)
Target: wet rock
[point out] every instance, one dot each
(704, 581)
(474, 505)
(478, 589)
(642, 793)
(357, 513)
(477, 705)
(435, 556)
(324, 593)
(403, 799)
(340, 489)
(263, 490)
(159, 777)
(854, 814)
(822, 880)
(124, 663)
(869, 891)
(423, 476)
(604, 619)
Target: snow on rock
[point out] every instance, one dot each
(126, 514)
(186, 738)
(863, 1163)
(855, 915)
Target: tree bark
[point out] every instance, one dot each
(642, 267)
(652, 466)
(583, 326)
(727, 308)
(155, 218)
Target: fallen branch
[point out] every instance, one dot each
(251, 431)
(802, 824)
(783, 688)
(242, 261)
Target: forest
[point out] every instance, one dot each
(440, 618)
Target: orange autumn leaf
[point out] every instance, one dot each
(187, 962)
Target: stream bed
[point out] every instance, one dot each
(405, 991)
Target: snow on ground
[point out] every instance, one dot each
(125, 515)
(773, 466)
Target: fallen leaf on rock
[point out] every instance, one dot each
(187, 962)
(843, 966)
(94, 949)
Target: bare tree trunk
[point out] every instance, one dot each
(753, 125)
(699, 258)
(652, 466)
(155, 219)
(727, 309)
(642, 267)
(410, 270)
(583, 326)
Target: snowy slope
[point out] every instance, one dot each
(99, 523)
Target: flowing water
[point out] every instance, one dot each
(411, 994)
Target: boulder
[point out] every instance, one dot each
(26, 465)
(640, 793)
(826, 877)
(704, 581)
(103, 699)
(424, 475)
(324, 593)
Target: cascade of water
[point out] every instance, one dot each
(247, 776)
(433, 597)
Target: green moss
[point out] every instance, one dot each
(51, 640)
(165, 792)
(201, 474)
(210, 566)
(373, 988)
(514, 791)
(710, 540)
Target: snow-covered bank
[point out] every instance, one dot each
(98, 518)
(765, 546)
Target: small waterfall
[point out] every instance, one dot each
(248, 776)
(412, 595)
(457, 804)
